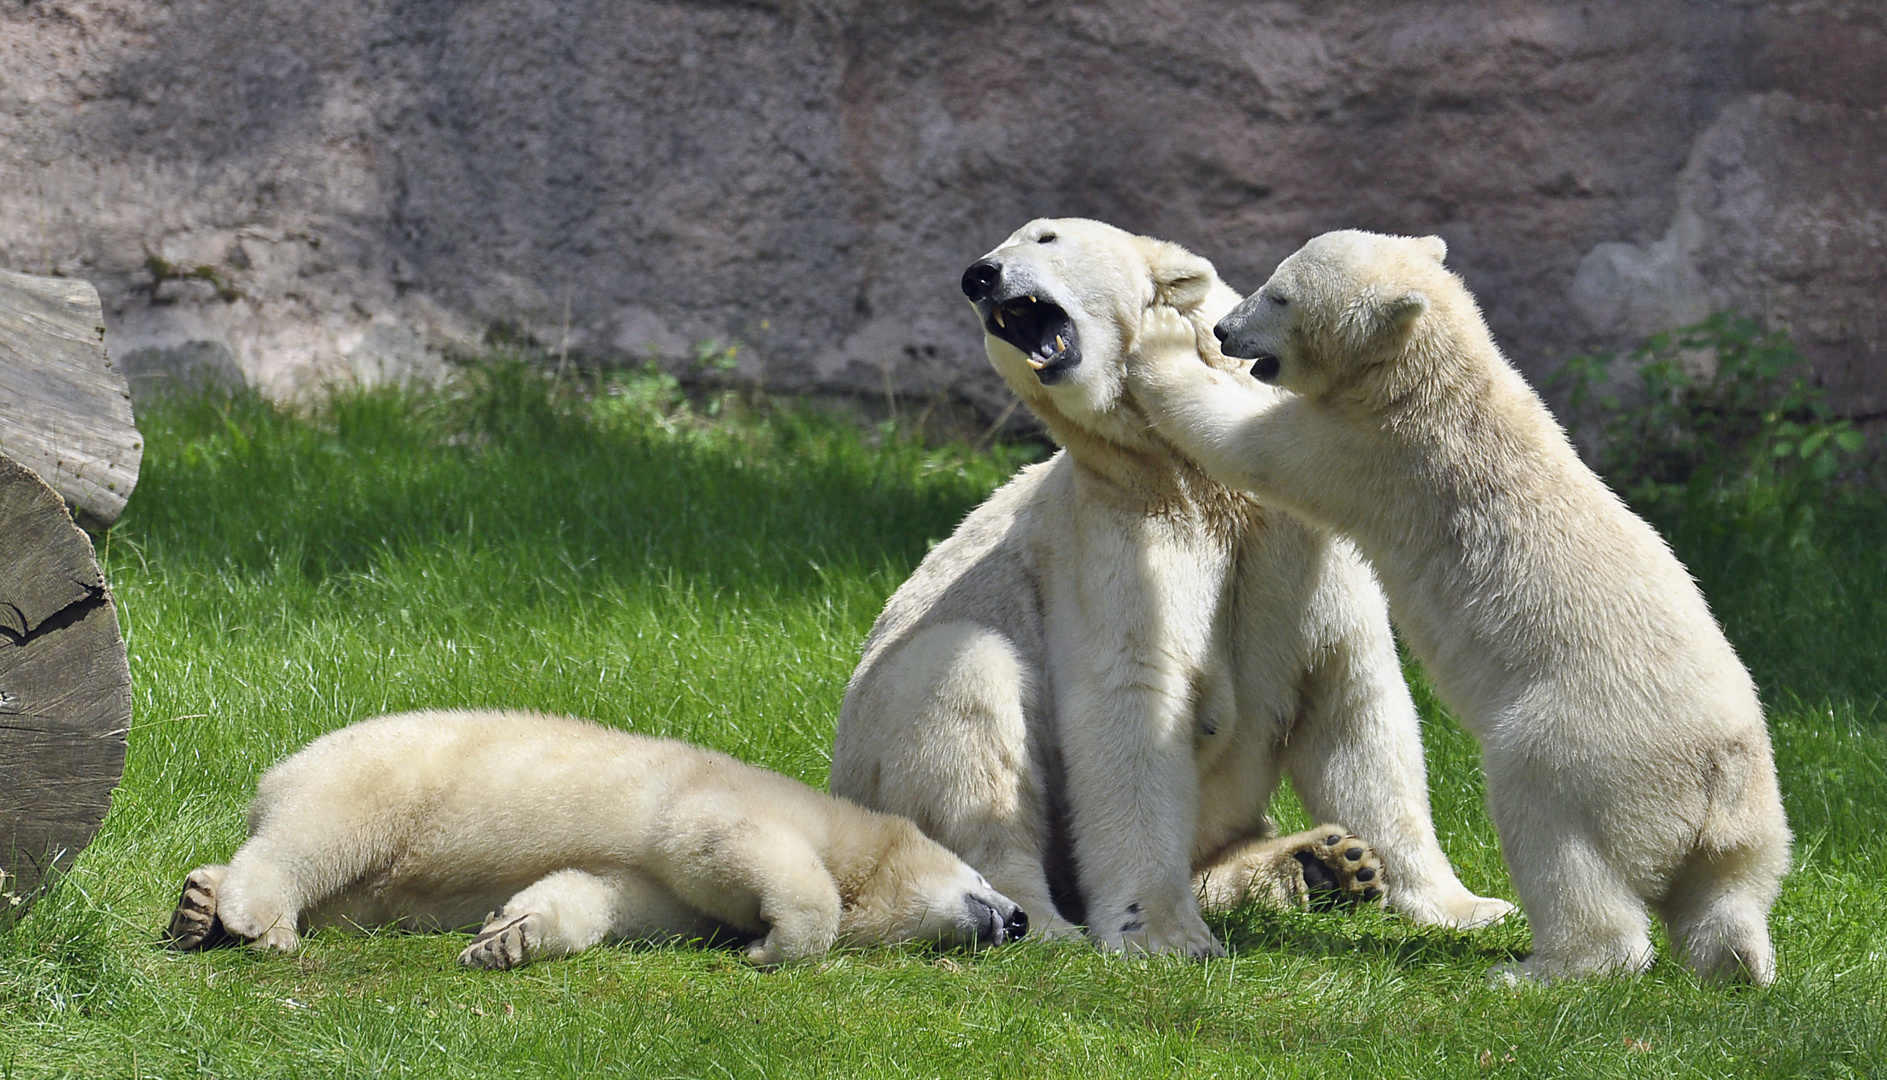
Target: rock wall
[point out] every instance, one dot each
(304, 192)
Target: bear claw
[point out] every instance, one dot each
(503, 943)
(195, 924)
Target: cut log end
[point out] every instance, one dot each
(65, 687)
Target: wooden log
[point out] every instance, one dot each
(65, 687)
(65, 410)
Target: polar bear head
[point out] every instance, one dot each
(1060, 303)
(1343, 309)
(915, 889)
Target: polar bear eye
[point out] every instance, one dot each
(1280, 300)
(1045, 238)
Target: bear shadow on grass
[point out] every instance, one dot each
(726, 941)
(1257, 929)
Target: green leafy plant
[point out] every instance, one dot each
(1715, 433)
(714, 363)
(713, 357)
(1719, 407)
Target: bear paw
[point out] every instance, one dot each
(1631, 956)
(766, 953)
(1338, 869)
(1165, 337)
(194, 925)
(278, 938)
(1055, 928)
(505, 942)
(1464, 912)
(1138, 930)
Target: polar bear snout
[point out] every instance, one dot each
(1016, 926)
(1241, 339)
(996, 924)
(1237, 338)
(979, 281)
(1012, 309)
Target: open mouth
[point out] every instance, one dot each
(1264, 365)
(1042, 332)
(992, 928)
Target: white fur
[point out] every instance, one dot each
(575, 834)
(1114, 639)
(1628, 764)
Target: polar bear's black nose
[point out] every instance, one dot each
(1016, 926)
(979, 281)
(1219, 331)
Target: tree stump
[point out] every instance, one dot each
(65, 411)
(65, 687)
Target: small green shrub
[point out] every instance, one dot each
(1717, 436)
(1720, 409)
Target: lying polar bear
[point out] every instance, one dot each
(1628, 765)
(573, 834)
(1091, 689)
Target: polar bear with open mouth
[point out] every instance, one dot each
(572, 834)
(1091, 690)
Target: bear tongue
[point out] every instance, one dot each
(1057, 337)
(1058, 351)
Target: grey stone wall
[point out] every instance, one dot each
(304, 192)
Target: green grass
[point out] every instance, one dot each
(622, 558)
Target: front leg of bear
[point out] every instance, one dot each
(1200, 409)
(1132, 788)
(1145, 609)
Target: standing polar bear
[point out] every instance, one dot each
(1628, 765)
(572, 834)
(1101, 675)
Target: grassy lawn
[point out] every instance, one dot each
(625, 558)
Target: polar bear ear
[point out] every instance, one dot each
(1396, 313)
(1180, 278)
(1433, 246)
